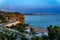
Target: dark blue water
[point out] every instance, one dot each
(42, 20)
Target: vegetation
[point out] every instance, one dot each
(53, 32)
(36, 38)
(2, 36)
(21, 27)
(32, 31)
(6, 35)
(6, 16)
(11, 36)
(44, 37)
(23, 38)
(2, 19)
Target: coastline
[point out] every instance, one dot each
(37, 29)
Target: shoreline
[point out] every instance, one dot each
(37, 29)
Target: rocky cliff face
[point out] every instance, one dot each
(13, 16)
(17, 16)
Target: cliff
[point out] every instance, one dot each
(12, 16)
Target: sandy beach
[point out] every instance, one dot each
(41, 30)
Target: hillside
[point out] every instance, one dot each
(11, 16)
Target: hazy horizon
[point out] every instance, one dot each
(31, 6)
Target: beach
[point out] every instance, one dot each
(40, 30)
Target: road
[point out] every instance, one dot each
(10, 31)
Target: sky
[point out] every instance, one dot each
(30, 6)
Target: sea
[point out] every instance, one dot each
(43, 21)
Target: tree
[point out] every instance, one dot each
(36, 38)
(44, 37)
(21, 27)
(11, 37)
(23, 38)
(2, 36)
(51, 33)
(32, 30)
(54, 32)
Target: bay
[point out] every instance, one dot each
(42, 20)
